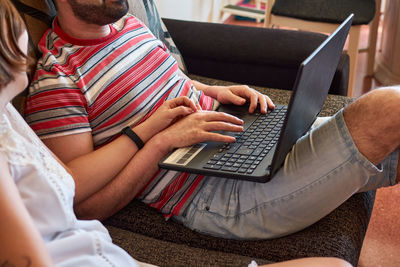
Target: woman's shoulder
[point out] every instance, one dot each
(4, 162)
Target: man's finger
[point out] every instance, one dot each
(238, 100)
(222, 126)
(185, 101)
(221, 116)
(181, 111)
(263, 103)
(253, 101)
(270, 104)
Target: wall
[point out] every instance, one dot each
(197, 10)
(388, 60)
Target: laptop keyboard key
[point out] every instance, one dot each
(251, 146)
(212, 167)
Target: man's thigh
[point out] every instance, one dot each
(323, 169)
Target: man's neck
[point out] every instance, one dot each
(79, 29)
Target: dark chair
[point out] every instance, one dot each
(325, 16)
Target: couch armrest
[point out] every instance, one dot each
(257, 56)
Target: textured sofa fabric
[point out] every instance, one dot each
(145, 235)
(249, 55)
(340, 234)
(165, 253)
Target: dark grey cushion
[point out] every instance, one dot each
(333, 11)
(340, 234)
(164, 253)
(249, 55)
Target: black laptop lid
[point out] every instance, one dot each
(310, 90)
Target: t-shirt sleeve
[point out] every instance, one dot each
(55, 105)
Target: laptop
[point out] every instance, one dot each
(260, 150)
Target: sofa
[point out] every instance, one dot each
(267, 60)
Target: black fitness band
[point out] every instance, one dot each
(133, 136)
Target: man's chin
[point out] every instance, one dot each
(106, 21)
(113, 11)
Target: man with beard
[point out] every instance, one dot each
(102, 75)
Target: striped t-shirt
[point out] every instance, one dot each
(106, 84)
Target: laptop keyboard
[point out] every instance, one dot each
(251, 146)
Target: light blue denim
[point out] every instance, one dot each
(322, 171)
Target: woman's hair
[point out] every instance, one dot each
(12, 58)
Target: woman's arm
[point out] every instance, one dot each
(21, 243)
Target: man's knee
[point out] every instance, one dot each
(374, 122)
(378, 106)
(391, 95)
(379, 99)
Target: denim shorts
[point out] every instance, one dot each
(323, 169)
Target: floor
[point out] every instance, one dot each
(382, 243)
(381, 246)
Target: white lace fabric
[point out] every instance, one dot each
(23, 147)
(40, 179)
(47, 191)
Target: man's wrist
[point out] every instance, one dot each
(208, 90)
(161, 143)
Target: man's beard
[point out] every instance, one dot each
(101, 14)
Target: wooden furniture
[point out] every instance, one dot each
(231, 7)
(388, 59)
(325, 16)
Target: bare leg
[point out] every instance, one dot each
(374, 123)
(312, 262)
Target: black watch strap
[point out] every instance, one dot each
(133, 136)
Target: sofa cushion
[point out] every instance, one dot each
(38, 15)
(339, 234)
(146, 11)
(256, 56)
(163, 253)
